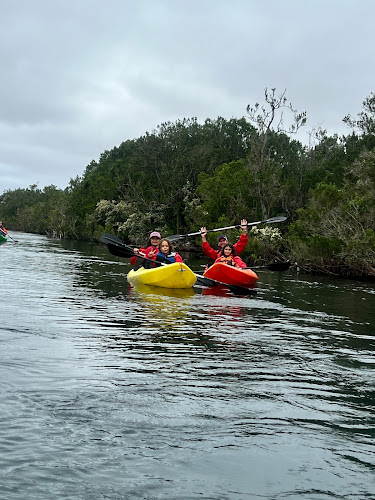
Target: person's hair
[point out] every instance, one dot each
(234, 252)
(169, 244)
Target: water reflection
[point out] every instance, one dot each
(109, 390)
(144, 290)
(216, 290)
(167, 308)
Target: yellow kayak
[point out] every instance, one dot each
(177, 275)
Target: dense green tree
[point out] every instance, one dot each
(225, 194)
(153, 172)
(187, 174)
(335, 232)
(13, 202)
(271, 169)
(35, 210)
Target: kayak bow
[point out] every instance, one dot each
(177, 275)
(231, 275)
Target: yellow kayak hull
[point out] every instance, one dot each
(176, 275)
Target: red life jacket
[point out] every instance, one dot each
(227, 260)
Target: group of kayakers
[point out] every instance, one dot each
(161, 249)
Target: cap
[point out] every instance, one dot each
(156, 234)
(222, 236)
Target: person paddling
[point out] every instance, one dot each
(229, 256)
(222, 240)
(166, 253)
(3, 231)
(150, 250)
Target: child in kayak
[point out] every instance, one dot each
(230, 257)
(166, 253)
(150, 250)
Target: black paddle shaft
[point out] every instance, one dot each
(237, 290)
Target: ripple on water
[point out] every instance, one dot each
(111, 392)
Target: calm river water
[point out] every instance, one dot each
(108, 392)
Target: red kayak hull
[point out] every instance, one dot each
(231, 275)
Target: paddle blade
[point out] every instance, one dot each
(120, 251)
(275, 266)
(175, 237)
(279, 266)
(110, 238)
(240, 290)
(118, 248)
(201, 280)
(281, 218)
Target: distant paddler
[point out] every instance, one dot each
(3, 231)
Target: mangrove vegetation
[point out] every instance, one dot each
(187, 174)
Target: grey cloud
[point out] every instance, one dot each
(81, 77)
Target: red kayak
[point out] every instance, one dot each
(231, 275)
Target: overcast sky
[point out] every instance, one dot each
(81, 76)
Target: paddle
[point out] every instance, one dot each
(7, 235)
(120, 249)
(175, 237)
(117, 247)
(238, 290)
(110, 238)
(275, 266)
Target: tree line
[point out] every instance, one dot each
(187, 174)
